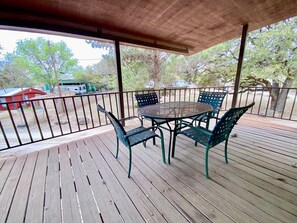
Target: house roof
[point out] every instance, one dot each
(185, 26)
(10, 91)
(13, 91)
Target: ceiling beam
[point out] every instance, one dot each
(22, 22)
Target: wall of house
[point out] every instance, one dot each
(28, 93)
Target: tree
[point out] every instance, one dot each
(139, 66)
(12, 74)
(43, 59)
(102, 74)
(215, 66)
(272, 60)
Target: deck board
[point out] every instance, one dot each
(8, 191)
(19, 204)
(81, 181)
(35, 206)
(236, 184)
(69, 198)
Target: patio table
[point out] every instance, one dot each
(174, 112)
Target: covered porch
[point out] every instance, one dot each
(81, 181)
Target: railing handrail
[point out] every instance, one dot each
(52, 117)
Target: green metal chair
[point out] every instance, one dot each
(132, 137)
(149, 99)
(215, 99)
(220, 133)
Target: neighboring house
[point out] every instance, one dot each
(16, 94)
(73, 86)
(76, 86)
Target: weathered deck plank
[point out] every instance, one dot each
(35, 208)
(140, 200)
(69, 199)
(7, 193)
(52, 209)
(103, 196)
(18, 208)
(81, 181)
(89, 209)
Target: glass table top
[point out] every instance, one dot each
(174, 110)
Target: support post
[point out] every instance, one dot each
(120, 80)
(239, 65)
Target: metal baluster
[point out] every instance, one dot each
(4, 135)
(110, 104)
(260, 101)
(254, 99)
(58, 118)
(99, 119)
(66, 110)
(26, 123)
(91, 114)
(48, 119)
(84, 112)
(247, 97)
(75, 111)
(37, 120)
(104, 108)
(293, 106)
(267, 105)
(128, 107)
(276, 102)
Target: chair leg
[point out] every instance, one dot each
(226, 156)
(144, 144)
(130, 161)
(162, 145)
(117, 152)
(206, 162)
(154, 140)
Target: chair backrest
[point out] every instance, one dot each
(101, 109)
(146, 99)
(119, 129)
(215, 99)
(225, 125)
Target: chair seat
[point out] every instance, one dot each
(198, 134)
(140, 137)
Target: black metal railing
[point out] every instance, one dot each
(25, 122)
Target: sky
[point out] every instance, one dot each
(83, 52)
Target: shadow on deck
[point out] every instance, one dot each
(82, 181)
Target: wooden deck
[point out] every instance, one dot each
(83, 182)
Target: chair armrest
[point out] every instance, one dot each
(140, 131)
(197, 128)
(131, 117)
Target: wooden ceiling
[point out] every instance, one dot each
(185, 26)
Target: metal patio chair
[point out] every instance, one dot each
(134, 136)
(149, 99)
(220, 133)
(215, 99)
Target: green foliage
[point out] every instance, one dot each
(43, 59)
(270, 60)
(102, 74)
(271, 55)
(13, 74)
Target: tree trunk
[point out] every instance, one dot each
(274, 92)
(280, 105)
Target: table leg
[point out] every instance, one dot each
(174, 138)
(170, 136)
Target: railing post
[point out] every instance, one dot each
(120, 80)
(239, 65)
